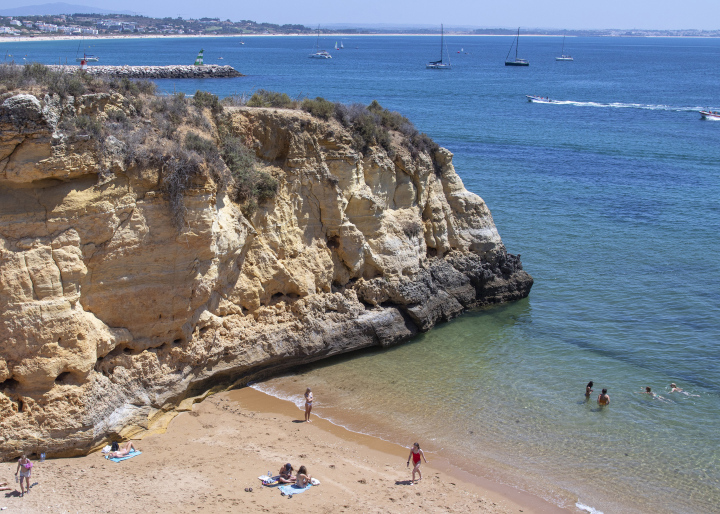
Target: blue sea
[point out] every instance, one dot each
(611, 195)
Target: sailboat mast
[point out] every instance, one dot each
(563, 48)
(517, 43)
(442, 35)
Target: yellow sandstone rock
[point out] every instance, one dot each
(112, 319)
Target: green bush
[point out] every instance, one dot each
(199, 144)
(249, 184)
(67, 84)
(319, 108)
(86, 125)
(264, 98)
(203, 99)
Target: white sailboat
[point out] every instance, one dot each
(440, 65)
(563, 57)
(319, 54)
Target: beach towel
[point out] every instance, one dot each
(268, 481)
(130, 455)
(293, 489)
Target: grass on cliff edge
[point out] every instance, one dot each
(369, 125)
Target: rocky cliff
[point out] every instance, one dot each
(112, 318)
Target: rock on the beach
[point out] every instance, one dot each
(112, 320)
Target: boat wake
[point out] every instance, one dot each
(619, 105)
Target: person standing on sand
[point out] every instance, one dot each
(588, 389)
(415, 454)
(308, 404)
(25, 468)
(603, 398)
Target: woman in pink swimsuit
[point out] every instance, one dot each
(415, 454)
(25, 468)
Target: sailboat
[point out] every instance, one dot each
(440, 65)
(517, 61)
(319, 54)
(85, 57)
(563, 57)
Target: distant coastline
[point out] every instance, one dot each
(25, 39)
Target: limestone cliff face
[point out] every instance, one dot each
(111, 319)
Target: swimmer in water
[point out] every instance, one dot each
(588, 389)
(603, 398)
(648, 390)
(676, 389)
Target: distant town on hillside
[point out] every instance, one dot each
(83, 25)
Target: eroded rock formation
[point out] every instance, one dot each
(112, 319)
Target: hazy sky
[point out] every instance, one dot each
(572, 14)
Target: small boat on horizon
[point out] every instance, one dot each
(564, 57)
(517, 61)
(319, 54)
(440, 65)
(710, 115)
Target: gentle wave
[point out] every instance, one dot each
(299, 401)
(587, 508)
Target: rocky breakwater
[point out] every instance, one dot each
(156, 72)
(113, 317)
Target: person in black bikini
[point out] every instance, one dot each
(589, 389)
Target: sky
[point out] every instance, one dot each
(561, 14)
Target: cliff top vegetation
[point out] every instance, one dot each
(190, 137)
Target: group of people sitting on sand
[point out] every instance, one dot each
(302, 479)
(604, 398)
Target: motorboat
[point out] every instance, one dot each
(538, 99)
(710, 115)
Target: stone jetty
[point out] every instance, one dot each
(157, 72)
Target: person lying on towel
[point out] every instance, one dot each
(124, 450)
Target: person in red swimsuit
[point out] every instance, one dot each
(415, 454)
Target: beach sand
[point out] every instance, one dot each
(207, 457)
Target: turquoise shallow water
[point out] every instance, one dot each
(612, 200)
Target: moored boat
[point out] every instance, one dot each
(319, 54)
(518, 61)
(440, 65)
(87, 58)
(563, 57)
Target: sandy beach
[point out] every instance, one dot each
(209, 456)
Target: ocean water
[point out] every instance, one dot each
(611, 195)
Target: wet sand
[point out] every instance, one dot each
(207, 458)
